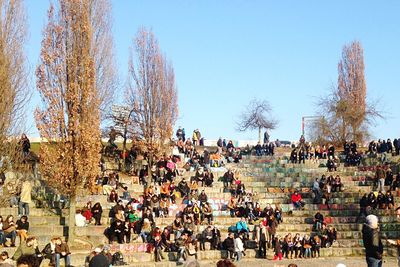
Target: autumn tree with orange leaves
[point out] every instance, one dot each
(346, 112)
(152, 95)
(69, 118)
(14, 90)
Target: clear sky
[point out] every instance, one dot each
(227, 52)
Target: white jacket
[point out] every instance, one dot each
(80, 220)
(238, 244)
(26, 190)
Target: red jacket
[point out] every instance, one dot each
(296, 198)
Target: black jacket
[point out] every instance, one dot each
(229, 243)
(99, 261)
(372, 242)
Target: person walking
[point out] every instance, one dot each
(372, 242)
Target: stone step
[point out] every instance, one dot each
(34, 212)
(333, 200)
(142, 259)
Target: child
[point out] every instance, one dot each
(277, 249)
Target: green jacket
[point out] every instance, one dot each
(23, 250)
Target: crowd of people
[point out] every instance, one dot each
(194, 228)
(28, 252)
(323, 188)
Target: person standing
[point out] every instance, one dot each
(262, 237)
(194, 138)
(396, 242)
(239, 248)
(372, 242)
(25, 144)
(25, 198)
(266, 137)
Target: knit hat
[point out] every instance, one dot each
(372, 221)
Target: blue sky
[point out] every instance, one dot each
(227, 52)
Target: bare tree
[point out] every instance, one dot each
(346, 109)
(102, 50)
(14, 90)
(257, 115)
(152, 94)
(69, 119)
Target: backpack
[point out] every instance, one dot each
(118, 259)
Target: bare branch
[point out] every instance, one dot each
(346, 110)
(255, 117)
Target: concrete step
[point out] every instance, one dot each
(142, 259)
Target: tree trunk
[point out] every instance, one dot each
(343, 137)
(259, 134)
(71, 219)
(149, 165)
(124, 148)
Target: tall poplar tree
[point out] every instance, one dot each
(69, 118)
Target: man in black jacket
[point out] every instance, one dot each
(372, 242)
(99, 260)
(117, 231)
(229, 245)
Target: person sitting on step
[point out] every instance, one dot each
(316, 246)
(206, 236)
(29, 247)
(331, 164)
(23, 228)
(297, 200)
(9, 230)
(62, 251)
(229, 245)
(318, 221)
(49, 251)
(337, 184)
(241, 227)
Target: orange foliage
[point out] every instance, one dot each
(69, 118)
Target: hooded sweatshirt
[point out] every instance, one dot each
(372, 242)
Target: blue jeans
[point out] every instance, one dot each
(372, 262)
(66, 257)
(144, 236)
(238, 255)
(23, 206)
(177, 234)
(307, 252)
(12, 235)
(2, 239)
(298, 205)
